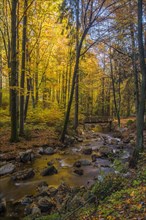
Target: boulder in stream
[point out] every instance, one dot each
(23, 175)
(7, 169)
(46, 150)
(87, 151)
(26, 156)
(102, 162)
(49, 171)
(82, 162)
(79, 172)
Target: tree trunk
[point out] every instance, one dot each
(13, 82)
(0, 80)
(103, 98)
(114, 92)
(21, 132)
(135, 71)
(140, 116)
(77, 77)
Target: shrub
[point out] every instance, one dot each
(107, 186)
(130, 122)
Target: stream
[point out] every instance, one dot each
(63, 162)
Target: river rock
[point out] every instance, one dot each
(23, 175)
(79, 139)
(43, 189)
(87, 151)
(7, 169)
(36, 211)
(126, 141)
(8, 156)
(49, 171)
(85, 162)
(77, 164)
(45, 204)
(94, 157)
(52, 191)
(3, 205)
(26, 200)
(46, 151)
(79, 172)
(43, 184)
(105, 151)
(82, 162)
(69, 139)
(102, 163)
(64, 188)
(26, 156)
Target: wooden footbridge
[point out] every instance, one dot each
(99, 120)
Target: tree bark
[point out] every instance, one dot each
(13, 79)
(77, 76)
(1, 81)
(114, 92)
(140, 116)
(21, 131)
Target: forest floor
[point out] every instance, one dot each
(119, 201)
(36, 136)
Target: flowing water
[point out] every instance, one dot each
(63, 162)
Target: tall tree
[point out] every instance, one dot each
(23, 69)
(13, 85)
(140, 116)
(93, 13)
(77, 74)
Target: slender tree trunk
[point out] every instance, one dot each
(24, 38)
(28, 85)
(140, 119)
(114, 92)
(77, 74)
(103, 98)
(36, 75)
(1, 86)
(134, 64)
(140, 116)
(27, 99)
(70, 100)
(13, 82)
(18, 49)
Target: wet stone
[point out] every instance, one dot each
(36, 211)
(87, 151)
(23, 175)
(26, 200)
(102, 163)
(79, 172)
(77, 164)
(51, 170)
(26, 156)
(7, 169)
(85, 162)
(45, 204)
(46, 151)
(94, 157)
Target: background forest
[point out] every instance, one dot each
(38, 68)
